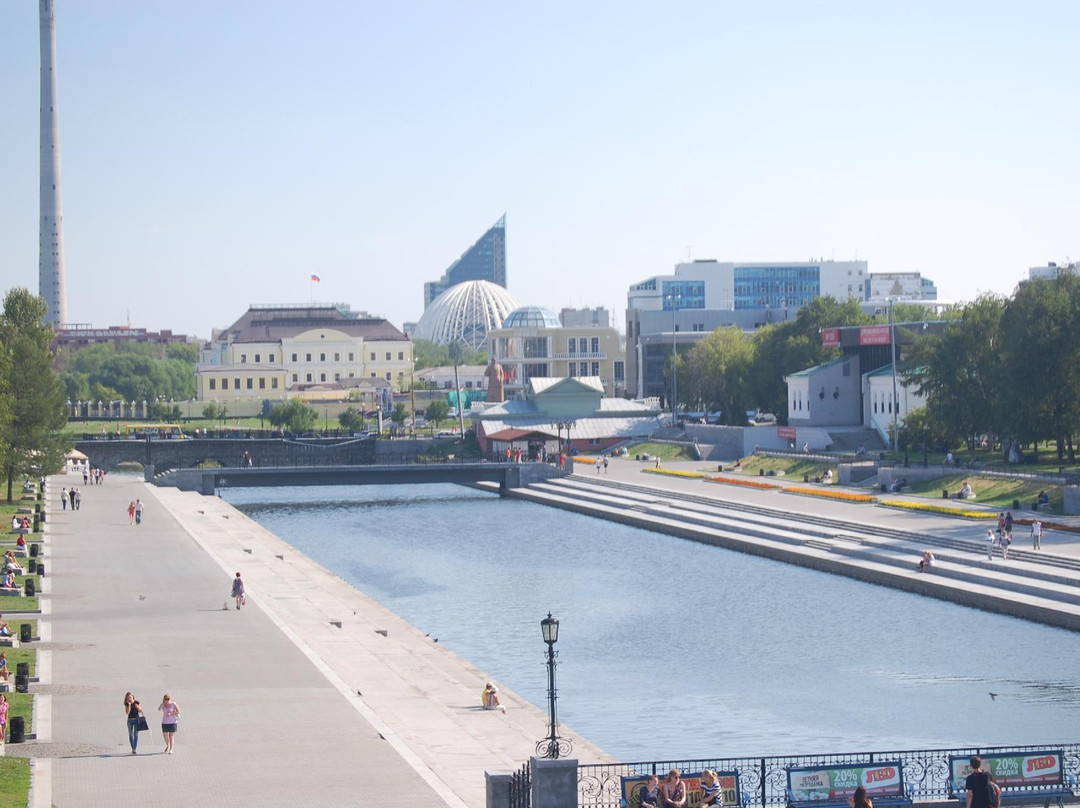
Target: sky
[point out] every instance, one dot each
(216, 154)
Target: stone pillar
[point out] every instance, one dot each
(498, 790)
(1072, 499)
(554, 783)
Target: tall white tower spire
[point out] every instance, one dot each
(51, 285)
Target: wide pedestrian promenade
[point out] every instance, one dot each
(312, 695)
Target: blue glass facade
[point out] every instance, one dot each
(687, 294)
(776, 287)
(484, 261)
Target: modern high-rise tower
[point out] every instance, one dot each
(483, 261)
(51, 233)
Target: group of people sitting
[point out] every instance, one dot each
(20, 522)
(674, 793)
(11, 564)
(489, 699)
(927, 561)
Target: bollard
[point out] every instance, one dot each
(43, 516)
(41, 569)
(33, 566)
(945, 493)
(29, 588)
(25, 636)
(33, 550)
(22, 668)
(18, 729)
(806, 478)
(22, 683)
(1016, 504)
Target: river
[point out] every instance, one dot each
(671, 649)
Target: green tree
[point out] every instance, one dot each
(718, 368)
(399, 414)
(294, 415)
(351, 419)
(32, 440)
(437, 410)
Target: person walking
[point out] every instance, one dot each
(978, 785)
(71, 496)
(63, 499)
(170, 715)
(131, 512)
(138, 511)
(990, 540)
(78, 499)
(3, 718)
(1036, 534)
(238, 591)
(605, 465)
(133, 711)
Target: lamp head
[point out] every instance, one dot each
(550, 628)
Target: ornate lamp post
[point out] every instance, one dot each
(675, 299)
(552, 746)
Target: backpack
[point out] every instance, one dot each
(993, 792)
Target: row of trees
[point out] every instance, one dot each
(31, 396)
(1005, 369)
(129, 372)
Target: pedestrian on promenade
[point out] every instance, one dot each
(138, 511)
(1008, 524)
(131, 513)
(674, 790)
(599, 463)
(133, 711)
(71, 496)
(859, 799)
(3, 717)
(238, 591)
(605, 465)
(170, 715)
(63, 499)
(657, 463)
(1036, 534)
(78, 499)
(990, 541)
(978, 785)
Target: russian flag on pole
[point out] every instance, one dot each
(315, 278)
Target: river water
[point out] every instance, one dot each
(671, 649)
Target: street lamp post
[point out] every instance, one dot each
(675, 299)
(895, 398)
(552, 746)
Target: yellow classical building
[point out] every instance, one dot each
(313, 352)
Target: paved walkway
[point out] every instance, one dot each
(272, 711)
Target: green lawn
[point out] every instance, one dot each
(793, 466)
(664, 451)
(14, 782)
(996, 491)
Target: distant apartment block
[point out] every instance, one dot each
(598, 317)
(903, 286)
(483, 261)
(81, 335)
(316, 351)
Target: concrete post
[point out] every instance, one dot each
(498, 790)
(1072, 499)
(554, 783)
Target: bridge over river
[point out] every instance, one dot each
(207, 464)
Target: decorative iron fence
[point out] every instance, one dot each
(521, 788)
(763, 780)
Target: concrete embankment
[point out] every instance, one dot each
(1041, 588)
(312, 695)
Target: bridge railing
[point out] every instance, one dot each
(763, 780)
(323, 460)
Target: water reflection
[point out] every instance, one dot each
(672, 649)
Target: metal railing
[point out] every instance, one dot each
(763, 780)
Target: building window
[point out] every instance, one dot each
(387, 356)
(468, 385)
(271, 359)
(595, 347)
(273, 383)
(243, 359)
(351, 356)
(620, 370)
(322, 357)
(236, 383)
(322, 377)
(308, 357)
(352, 375)
(401, 356)
(295, 378)
(584, 344)
(337, 377)
(213, 384)
(389, 376)
(373, 374)
(595, 368)
(571, 345)
(294, 357)
(572, 369)
(250, 383)
(309, 378)
(262, 382)
(258, 358)
(372, 356)
(224, 384)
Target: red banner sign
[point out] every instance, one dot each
(874, 335)
(830, 338)
(785, 432)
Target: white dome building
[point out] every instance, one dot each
(466, 312)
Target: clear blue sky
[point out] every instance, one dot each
(217, 153)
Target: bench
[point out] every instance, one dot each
(12, 593)
(830, 786)
(1024, 777)
(731, 795)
